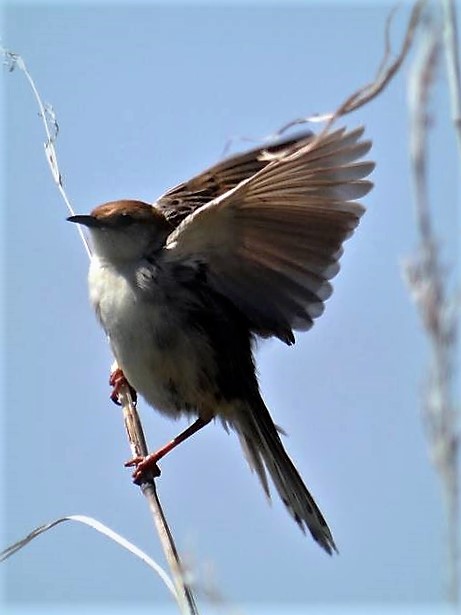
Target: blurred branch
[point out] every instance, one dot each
(132, 421)
(427, 280)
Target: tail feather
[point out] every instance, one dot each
(265, 454)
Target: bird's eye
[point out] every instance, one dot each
(125, 219)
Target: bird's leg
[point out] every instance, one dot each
(117, 380)
(149, 465)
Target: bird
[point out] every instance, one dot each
(185, 286)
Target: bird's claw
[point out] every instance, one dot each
(146, 467)
(117, 380)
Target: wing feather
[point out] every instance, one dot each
(184, 199)
(272, 242)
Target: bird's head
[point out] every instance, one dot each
(122, 231)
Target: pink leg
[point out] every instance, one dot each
(148, 465)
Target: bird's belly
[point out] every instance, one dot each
(167, 361)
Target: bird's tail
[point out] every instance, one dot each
(265, 453)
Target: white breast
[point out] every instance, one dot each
(169, 363)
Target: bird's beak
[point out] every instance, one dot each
(86, 220)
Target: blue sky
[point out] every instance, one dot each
(147, 96)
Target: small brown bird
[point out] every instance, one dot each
(246, 249)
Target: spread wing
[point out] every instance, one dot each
(272, 243)
(182, 200)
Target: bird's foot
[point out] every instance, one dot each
(117, 380)
(146, 467)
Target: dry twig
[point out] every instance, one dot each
(139, 449)
(384, 75)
